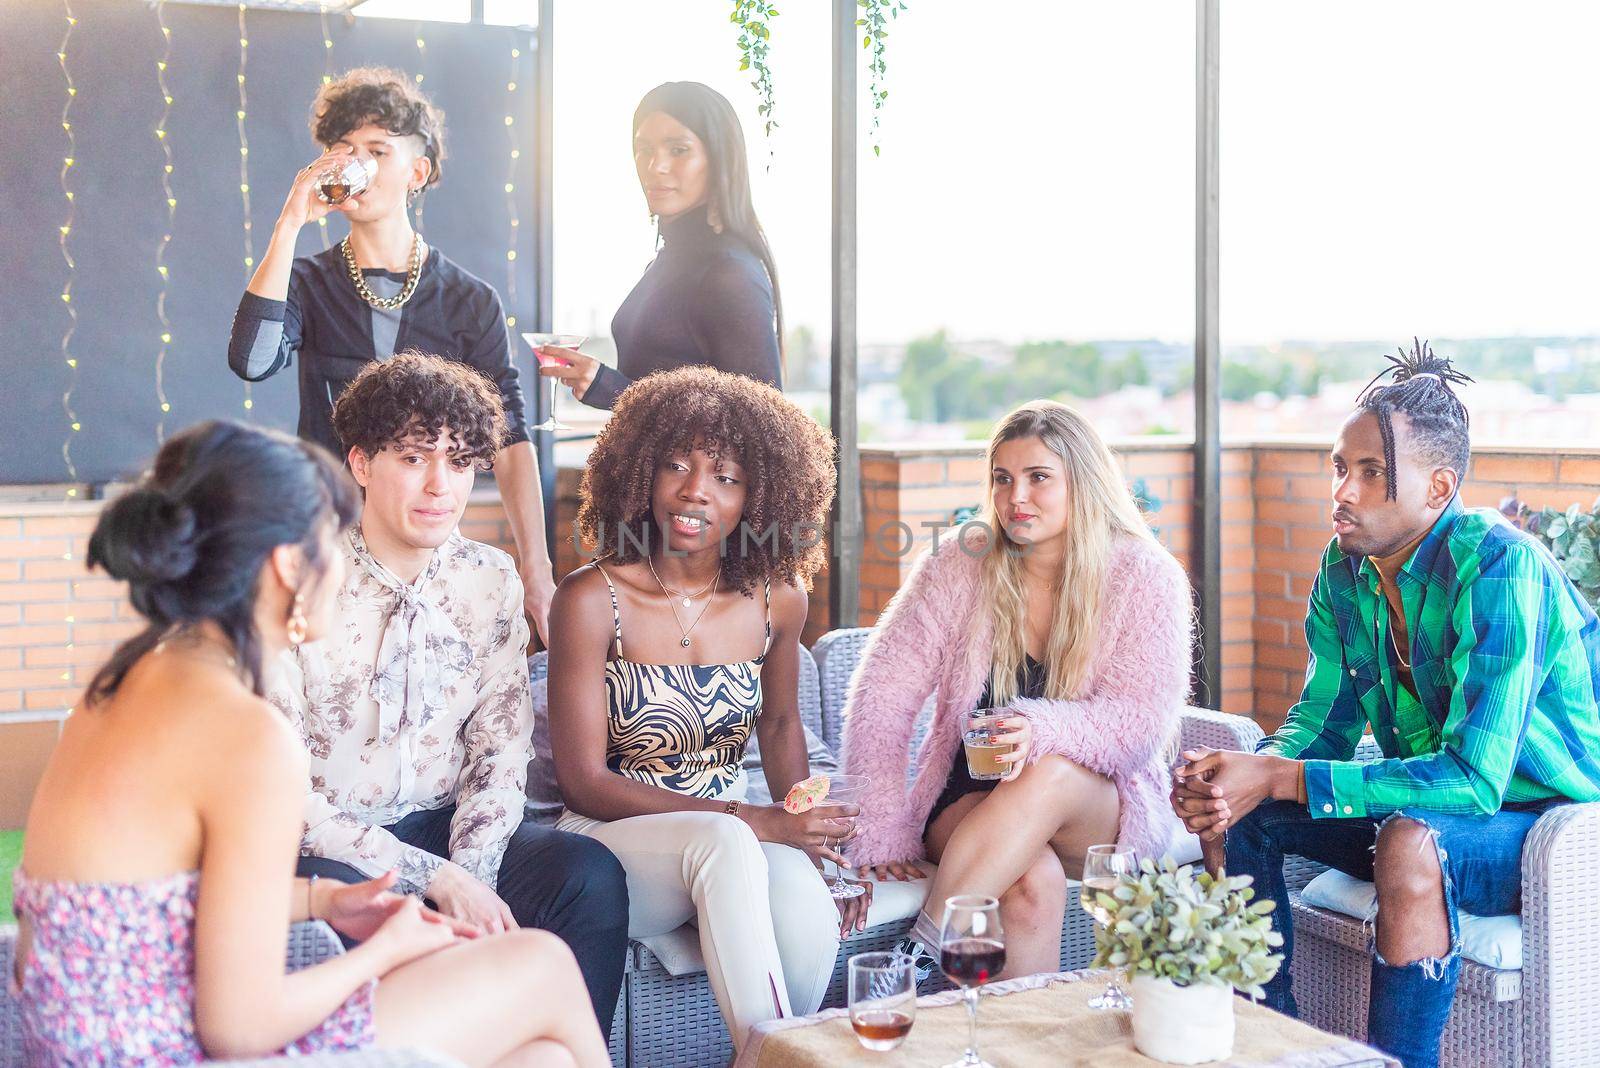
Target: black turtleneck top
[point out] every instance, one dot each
(705, 299)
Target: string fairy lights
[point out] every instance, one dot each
(422, 58)
(74, 426)
(65, 231)
(172, 209)
(327, 77)
(244, 166)
(511, 179)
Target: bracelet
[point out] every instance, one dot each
(731, 808)
(311, 886)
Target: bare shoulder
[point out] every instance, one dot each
(583, 588)
(790, 606)
(581, 608)
(264, 749)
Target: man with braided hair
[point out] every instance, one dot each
(1475, 663)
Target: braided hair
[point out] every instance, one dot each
(1420, 388)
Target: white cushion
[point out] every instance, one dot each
(1493, 941)
(1184, 847)
(679, 950)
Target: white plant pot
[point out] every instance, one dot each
(1182, 1024)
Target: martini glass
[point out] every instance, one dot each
(559, 341)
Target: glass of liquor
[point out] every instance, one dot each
(557, 341)
(844, 790)
(340, 181)
(972, 950)
(985, 745)
(1103, 867)
(883, 999)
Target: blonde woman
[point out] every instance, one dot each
(1063, 612)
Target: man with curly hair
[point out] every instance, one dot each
(382, 290)
(415, 708)
(675, 648)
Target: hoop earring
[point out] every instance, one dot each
(296, 629)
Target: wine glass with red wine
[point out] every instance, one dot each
(972, 950)
(883, 999)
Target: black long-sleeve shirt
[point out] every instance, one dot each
(705, 299)
(336, 333)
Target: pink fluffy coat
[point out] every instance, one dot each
(935, 638)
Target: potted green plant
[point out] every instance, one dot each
(1189, 940)
(1572, 536)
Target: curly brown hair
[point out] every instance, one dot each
(385, 97)
(787, 458)
(413, 396)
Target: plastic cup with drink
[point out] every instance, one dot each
(984, 738)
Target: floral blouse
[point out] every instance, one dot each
(417, 699)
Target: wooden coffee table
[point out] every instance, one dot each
(1040, 1020)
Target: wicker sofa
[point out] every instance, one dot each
(1544, 1015)
(309, 943)
(667, 1015)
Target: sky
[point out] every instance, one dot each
(1388, 168)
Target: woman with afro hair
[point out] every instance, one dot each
(704, 499)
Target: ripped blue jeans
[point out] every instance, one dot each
(1480, 857)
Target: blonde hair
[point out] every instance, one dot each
(1100, 509)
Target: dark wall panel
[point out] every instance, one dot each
(121, 210)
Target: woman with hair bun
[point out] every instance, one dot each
(148, 932)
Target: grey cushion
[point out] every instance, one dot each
(822, 759)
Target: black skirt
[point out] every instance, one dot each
(959, 784)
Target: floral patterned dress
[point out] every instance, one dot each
(109, 978)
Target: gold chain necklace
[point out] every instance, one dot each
(688, 598)
(674, 608)
(413, 273)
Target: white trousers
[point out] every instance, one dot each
(769, 931)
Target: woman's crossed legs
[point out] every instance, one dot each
(1020, 842)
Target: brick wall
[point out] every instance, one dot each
(922, 484)
(58, 623)
(1290, 487)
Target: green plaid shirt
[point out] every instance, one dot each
(1505, 657)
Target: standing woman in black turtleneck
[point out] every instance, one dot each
(711, 294)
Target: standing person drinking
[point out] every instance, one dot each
(711, 295)
(383, 290)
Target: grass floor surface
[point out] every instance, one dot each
(10, 857)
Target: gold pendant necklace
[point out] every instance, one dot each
(688, 598)
(413, 274)
(674, 608)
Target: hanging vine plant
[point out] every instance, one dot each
(874, 22)
(754, 19)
